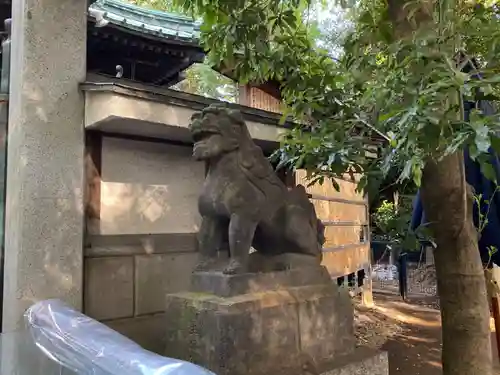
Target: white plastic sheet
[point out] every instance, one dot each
(88, 347)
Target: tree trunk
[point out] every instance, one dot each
(447, 204)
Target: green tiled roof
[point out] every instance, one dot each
(148, 21)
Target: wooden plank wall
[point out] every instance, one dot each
(256, 98)
(345, 215)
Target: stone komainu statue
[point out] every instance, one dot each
(243, 203)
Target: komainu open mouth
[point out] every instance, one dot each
(202, 135)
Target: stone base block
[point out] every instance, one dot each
(215, 282)
(361, 362)
(267, 332)
(259, 262)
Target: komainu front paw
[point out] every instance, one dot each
(205, 264)
(235, 267)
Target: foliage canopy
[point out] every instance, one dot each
(404, 91)
(391, 222)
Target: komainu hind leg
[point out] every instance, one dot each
(304, 229)
(304, 233)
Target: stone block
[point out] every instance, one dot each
(322, 318)
(109, 288)
(140, 244)
(146, 330)
(223, 285)
(157, 275)
(259, 262)
(260, 333)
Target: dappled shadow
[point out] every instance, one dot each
(413, 341)
(148, 187)
(417, 349)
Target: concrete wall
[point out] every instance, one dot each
(149, 187)
(141, 244)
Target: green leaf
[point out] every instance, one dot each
(335, 184)
(473, 151)
(488, 171)
(495, 143)
(417, 176)
(406, 173)
(362, 184)
(482, 139)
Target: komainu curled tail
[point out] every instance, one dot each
(321, 232)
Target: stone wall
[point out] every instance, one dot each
(141, 241)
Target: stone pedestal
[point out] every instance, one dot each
(287, 322)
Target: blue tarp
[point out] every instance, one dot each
(490, 235)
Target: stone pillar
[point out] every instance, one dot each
(45, 157)
(367, 289)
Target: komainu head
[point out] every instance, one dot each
(217, 130)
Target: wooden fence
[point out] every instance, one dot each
(345, 214)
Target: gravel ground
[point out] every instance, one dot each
(372, 328)
(409, 331)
